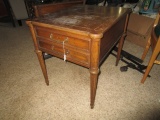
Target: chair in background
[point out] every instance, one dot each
(19, 10)
(154, 42)
(9, 12)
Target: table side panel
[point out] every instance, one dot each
(111, 37)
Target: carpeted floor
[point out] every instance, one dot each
(25, 96)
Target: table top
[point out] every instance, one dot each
(91, 19)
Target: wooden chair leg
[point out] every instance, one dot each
(150, 64)
(146, 49)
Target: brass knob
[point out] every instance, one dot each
(51, 36)
(67, 52)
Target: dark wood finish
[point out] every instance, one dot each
(84, 34)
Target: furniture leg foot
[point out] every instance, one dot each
(47, 82)
(93, 85)
(92, 106)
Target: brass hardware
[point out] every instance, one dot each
(58, 41)
(51, 36)
(66, 40)
(67, 52)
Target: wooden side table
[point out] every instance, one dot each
(82, 34)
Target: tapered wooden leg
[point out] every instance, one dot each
(150, 64)
(93, 86)
(43, 66)
(94, 67)
(38, 52)
(120, 45)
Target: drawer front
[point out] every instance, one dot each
(57, 36)
(76, 56)
(51, 47)
(56, 43)
(58, 50)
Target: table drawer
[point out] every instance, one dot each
(58, 36)
(78, 57)
(53, 47)
(59, 50)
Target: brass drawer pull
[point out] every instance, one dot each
(58, 41)
(51, 36)
(67, 52)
